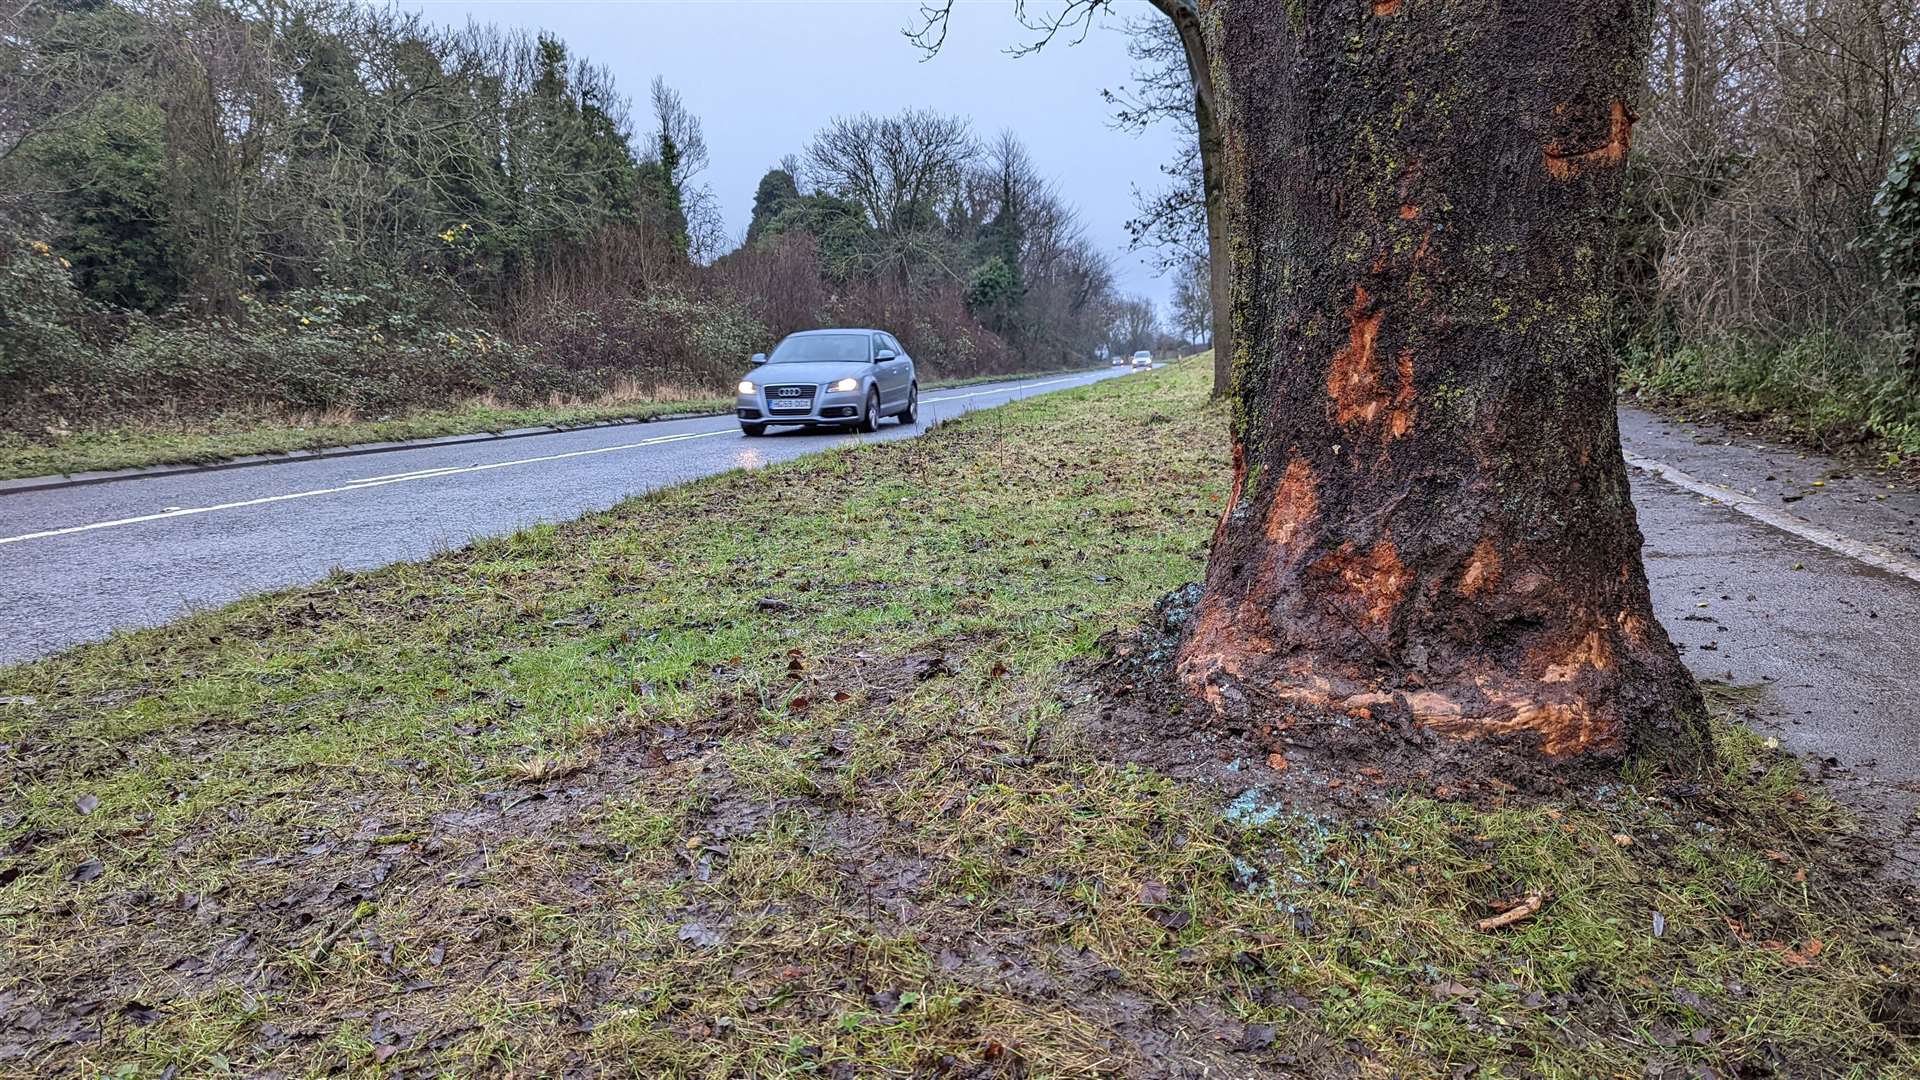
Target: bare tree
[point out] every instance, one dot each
(1193, 301)
(1770, 125)
(1162, 48)
(674, 122)
(900, 170)
(897, 168)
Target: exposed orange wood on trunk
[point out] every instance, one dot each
(1294, 503)
(1563, 164)
(1483, 570)
(1592, 652)
(1353, 379)
(1383, 8)
(1239, 483)
(1400, 421)
(1376, 577)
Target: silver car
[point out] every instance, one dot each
(830, 378)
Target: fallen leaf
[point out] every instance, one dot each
(86, 871)
(1153, 892)
(1175, 919)
(1621, 839)
(700, 935)
(1801, 956)
(1525, 909)
(1277, 761)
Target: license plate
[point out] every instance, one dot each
(797, 404)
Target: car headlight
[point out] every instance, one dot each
(845, 385)
(746, 386)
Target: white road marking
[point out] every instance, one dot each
(1860, 551)
(983, 393)
(350, 486)
(414, 475)
(433, 474)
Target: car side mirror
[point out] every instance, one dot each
(758, 359)
(885, 354)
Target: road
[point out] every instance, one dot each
(1769, 566)
(78, 563)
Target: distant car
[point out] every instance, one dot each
(829, 378)
(1143, 359)
(1119, 361)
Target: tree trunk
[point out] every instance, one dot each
(1429, 537)
(1186, 18)
(1219, 260)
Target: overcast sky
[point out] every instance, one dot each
(764, 74)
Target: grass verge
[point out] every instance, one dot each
(779, 774)
(246, 434)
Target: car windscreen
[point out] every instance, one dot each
(822, 349)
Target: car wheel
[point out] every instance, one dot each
(870, 419)
(911, 414)
(753, 430)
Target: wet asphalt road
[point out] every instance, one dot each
(1834, 641)
(293, 522)
(1763, 576)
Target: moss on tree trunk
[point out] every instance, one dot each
(1430, 532)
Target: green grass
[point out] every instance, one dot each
(245, 433)
(578, 800)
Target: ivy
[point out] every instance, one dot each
(1897, 213)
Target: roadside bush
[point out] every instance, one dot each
(668, 337)
(1826, 386)
(381, 348)
(1897, 215)
(40, 312)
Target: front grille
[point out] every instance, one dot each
(789, 399)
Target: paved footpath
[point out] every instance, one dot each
(1779, 567)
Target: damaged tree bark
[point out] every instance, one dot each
(1429, 533)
